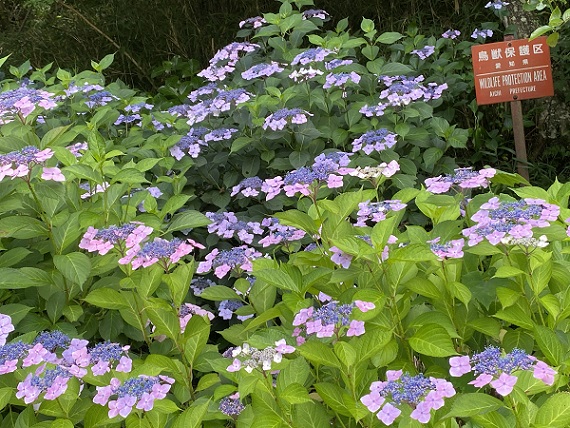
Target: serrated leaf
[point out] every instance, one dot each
(188, 220)
(75, 267)
(466, 405)
(107, 298)
(554, 412)
(432, 340)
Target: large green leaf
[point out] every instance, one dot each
(432, 340)
(555, 412)
(75, 267)
(472, 404)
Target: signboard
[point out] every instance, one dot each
(512, 70)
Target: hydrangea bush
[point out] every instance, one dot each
(294, 246)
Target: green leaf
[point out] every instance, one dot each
(196, 336)
(515, 315)
(13, 256)
(492, 420)
(319, 353)
(508, 272)
(472, 404)
(192, 417)
(23, 278)
(395, 69)
(297, 371)
(75, 267)
(107, 298)
(345, 352)
(5, 395)
(165, 321)
(555, 412)
(21, 227)
(62, 423)
(219, 293)
(311, 415)
(340, 401)
(129, 176)
(549, 344)
(389, 37)
(188, 220)
(295, 394)
(432, 340)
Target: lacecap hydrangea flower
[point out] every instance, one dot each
(331, 319)
(421, 393)
(497, 369)
(464, 178)
(249, 358)
(139, 392)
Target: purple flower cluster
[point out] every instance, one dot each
(326, 169)
(376, 211)
(279, 233)
(278, 120)
(250, 186)
(315, 13)
(492, 367)
(250, 358)
(311, 55)
(340, 258)
(497, 220)
(451, 34)
(19, 163)
(335, 63)
(139, 392)
(226, 225)
(77, 148)
(198, 285)
(496, 4)
(190, 143)
(122, 237)
(329, 320)
(227, 99)
(219, 100)
(129, 239)
(424, 52)
(262, 70)
(6, 327)
(238, 258)
(481, 34)
(340, 79)
(422, 394)
(253, 22)
(449, 250)
(160, 251)
(227, 308)
(464, 178)
(129, 119)
(225, 60)
(401, 91)
(50, 382)
(378, 140)
(231, 405)
(23, 101)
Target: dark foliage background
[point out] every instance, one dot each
(163, 44)
(71, 33)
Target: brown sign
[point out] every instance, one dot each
(512, 70)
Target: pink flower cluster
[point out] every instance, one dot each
(129, 239)
(497, 220)
(139, 392)
(464, 178)
(420, 393)
(449, 250)
(19, 163)
(331, 319)
(491, 367)
(238, 258)
(6, 327)
(123, 237)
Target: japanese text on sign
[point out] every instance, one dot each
(512, 70)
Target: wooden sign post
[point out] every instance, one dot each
(512, 71)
